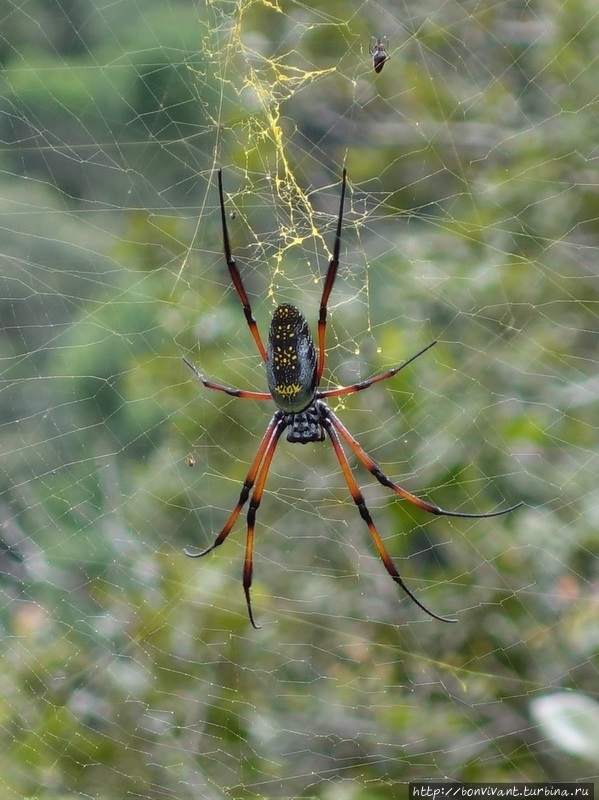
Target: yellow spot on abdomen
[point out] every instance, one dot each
(288, 389)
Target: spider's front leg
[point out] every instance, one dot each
(235, 274)
(328, 283)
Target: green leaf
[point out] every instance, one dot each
(571, 721)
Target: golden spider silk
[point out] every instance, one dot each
(378, 50)
(293, 373)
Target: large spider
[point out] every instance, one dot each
(293, 372)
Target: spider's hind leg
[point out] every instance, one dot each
(248, 562)
(375, 470)
(245, 489)
(358, 499)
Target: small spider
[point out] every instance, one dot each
(293, 372)
(378, 50)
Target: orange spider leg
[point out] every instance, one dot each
(245, 491)
(358, 499)
(234, 273)
(248, 562)
(374, 468)
(328, 285)
(243, 393)
(383, 376)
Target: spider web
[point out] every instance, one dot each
(471, 218)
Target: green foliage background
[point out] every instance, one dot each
(128, 670)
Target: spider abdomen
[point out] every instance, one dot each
(291, 360)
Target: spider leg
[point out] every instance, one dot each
(246, 488)
(328, 283)
(374, 468)
(358, 499)
(383, 376)
(248, 562)
(245, 395)
(235, 275)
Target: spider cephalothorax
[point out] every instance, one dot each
(293, 372)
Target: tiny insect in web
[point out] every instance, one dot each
(294, 368)
(378, 50)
